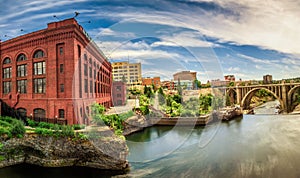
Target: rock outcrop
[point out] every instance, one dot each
(100, 152)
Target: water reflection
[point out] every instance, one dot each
(255, 146)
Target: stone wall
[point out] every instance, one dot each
(102, 152)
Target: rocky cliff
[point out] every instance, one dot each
(101, 152)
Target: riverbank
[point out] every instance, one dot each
(96, 152)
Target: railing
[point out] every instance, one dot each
(50, 120)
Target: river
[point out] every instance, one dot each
(250, 146)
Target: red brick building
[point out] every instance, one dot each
(57, 72)
(119, 93)
(151, 81)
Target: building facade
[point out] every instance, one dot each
(119, 93)
(130, 73)
(57, 72)
(267, 79)
(151, 81)
(186, 79)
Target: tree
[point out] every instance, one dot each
(161, 96)
(124, 79)
(197, 84)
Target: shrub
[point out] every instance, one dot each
(78, 126)
(18, 128)
(67, 131)
(44, 131)
(32, 123)
(5, 131)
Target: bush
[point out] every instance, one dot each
(78, 127)
(32, 123)
(5, 131)
(44, 132)
(18, 128)
(67, 131)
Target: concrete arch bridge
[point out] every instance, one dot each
(285, 93)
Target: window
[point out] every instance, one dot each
(61, 50)
(7, 72)
(39, 85)
(85, 70)
(22, 112)
(79, 51)
(39, 113)
(7, 61)
(21, 57)
(62, 88)
(38, 54)
(86, 85)
(91, 72)
(39, 68)
(6, 87)
(85, 57)
(22, 86)
(119, 95)
(61, 113)
(22, 70)
(91, 87)
(61, 68)
(95, 74)
(90, 60)
(118, 88)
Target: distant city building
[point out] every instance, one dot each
(185, 78)
(219, 83)
(119, 93)
(230, 78)
(151, 81)
(267, 79)
(170, 85)
(130, 73)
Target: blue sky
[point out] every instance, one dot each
(247, 38)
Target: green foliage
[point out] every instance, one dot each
(161, 96)
(97, 109)
(205, 103)
(67, 131)
(11, 127)
(82, 136)
(78, 127)
(32, 123)
(173, 105)
(18, 128)
(197, 84)
(263, 93)
(231, 84)
(148, 92)
(144, 102)
(44, 131)
(5, 131)
(135, 91)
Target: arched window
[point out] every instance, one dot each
(38, 54)
(22, 112)
(21, 57)
(85, 57)
(39, 113)
(7, 60)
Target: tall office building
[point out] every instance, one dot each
(130, 73)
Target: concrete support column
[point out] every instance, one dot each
(285, 106)
(238, 95)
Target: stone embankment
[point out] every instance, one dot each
(228, 113)
(99, 152)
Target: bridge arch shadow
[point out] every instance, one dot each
(290, 95)
(245, 103)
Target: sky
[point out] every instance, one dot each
(246, 38)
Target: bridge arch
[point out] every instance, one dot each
(292, 91)
(246, 99)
